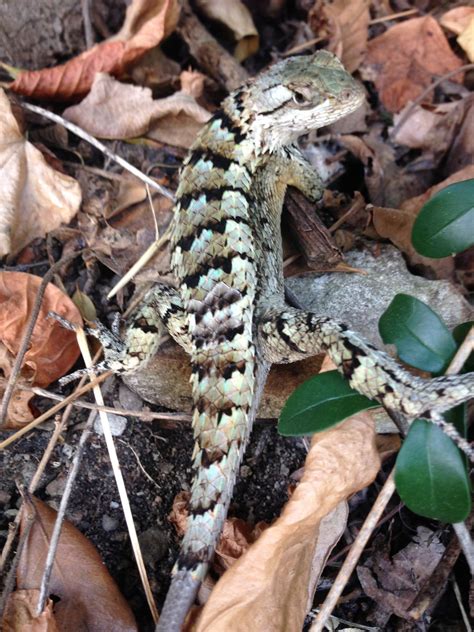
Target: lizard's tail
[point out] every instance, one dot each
(223, 389)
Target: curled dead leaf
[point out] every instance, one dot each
(20, 613)
(458, 19)
(35, 198)
(237, 18)
(89, 598)
(267, 588)
(53, 350)
(117, 110)
(147, 23)
(403, 61)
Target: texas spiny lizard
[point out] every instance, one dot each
(230, 313)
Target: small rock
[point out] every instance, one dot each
(56, 487)
(154, 545)
(118, 423)
(109, 523)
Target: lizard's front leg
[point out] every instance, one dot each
(297, 172)
(161, 304)
(288, 334)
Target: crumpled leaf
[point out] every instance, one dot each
(118, 110)
(53, 349)
(268, 587)
(403, 61)
(457, 19)
(347, 26)
(238, 19)
(466, 40)
(35, 198)
(394, 583)
(89, 598)
(20, 613)
(432, 128)
(147, 23)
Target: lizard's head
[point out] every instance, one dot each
(300, 94)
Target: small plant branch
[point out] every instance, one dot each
(29, 330)
(54, 540)
(75, 129)
(354, 554)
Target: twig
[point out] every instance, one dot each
(54, 540)
(81, 339)
(143, 415)
(52, 411)
(354, 554)
(75, 129)
(393, 16)
(466, 543)
(303, 46)
(29, 330)
(86, 17)
(427, 90)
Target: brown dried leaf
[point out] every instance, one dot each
(20, 613)
(431, 128)
(403, 61)
(89, 598)
(466, 40)
(35, 198)
(267, 588)
(348, 27)
(237, 18)
(394, 583)
(458, 19)
(119, 110)
(146, 24)
(53, 350)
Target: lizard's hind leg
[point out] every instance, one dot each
(287, 335)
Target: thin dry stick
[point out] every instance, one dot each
(372, 519)
(54, 540)
(100, 146)
(354, 554)
(394, 16)
(427, 90)
(29, 330)
(119, 481)
(39, 472)
(143, 415)
(52, 411)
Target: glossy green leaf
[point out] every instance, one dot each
(421, 337)
(459, 333)
(445, 224)
(431, 477)
(319, 403)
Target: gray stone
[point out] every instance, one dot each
(118, 423)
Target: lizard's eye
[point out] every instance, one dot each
(299, 98)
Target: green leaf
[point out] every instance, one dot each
(319, 403)
(431, 477)
(459, 333)
(421, 337)
(445, 224)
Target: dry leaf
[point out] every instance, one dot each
(52, 351)
(238, 19)
(20, 613)
(35, 198)
(394, 583)
(457, 20)
(403, 61)
(118, 110)
(347, 25)
(267, 588)
(89, 598)
(146, 24)
(466, 40)
(431, 128)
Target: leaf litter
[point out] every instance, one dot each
(399, 167)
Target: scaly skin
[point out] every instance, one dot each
(230, 313)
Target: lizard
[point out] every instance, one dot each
(229, 311)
